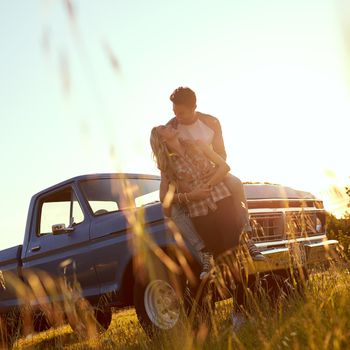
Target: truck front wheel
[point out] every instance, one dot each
(158, 301)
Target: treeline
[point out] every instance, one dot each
(340, 228)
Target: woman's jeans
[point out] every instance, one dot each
(180, 217)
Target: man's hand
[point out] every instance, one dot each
(209, 174)
(200, 193)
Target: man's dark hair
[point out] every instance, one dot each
(183, 96)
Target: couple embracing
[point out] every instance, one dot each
(207, 204)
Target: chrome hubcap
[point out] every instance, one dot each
(162, 304)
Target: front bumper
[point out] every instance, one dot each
(301, 252)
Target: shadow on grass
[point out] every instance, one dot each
(125, 332)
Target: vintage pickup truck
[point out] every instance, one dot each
(100, 232)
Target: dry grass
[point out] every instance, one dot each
(318, 319)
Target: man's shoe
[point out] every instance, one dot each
(207, 264)
(254, 252)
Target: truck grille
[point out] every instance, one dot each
(300, 224)
(283, 225)
(267, 226)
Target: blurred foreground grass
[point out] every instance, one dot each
(318, 320)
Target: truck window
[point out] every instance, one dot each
(110, 195)
(102, 207)
(61, 207)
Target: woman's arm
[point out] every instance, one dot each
(222, 168)
(165, 196)
(164, 185)
(168, 195)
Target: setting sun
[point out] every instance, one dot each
(95, 79)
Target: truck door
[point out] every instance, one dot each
(59, 240)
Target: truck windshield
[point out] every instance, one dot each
(109, 195)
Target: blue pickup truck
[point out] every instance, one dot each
(100, 232)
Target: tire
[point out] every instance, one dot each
(158, 300)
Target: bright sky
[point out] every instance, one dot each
(274, 73)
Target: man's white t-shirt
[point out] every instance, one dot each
(196, 131)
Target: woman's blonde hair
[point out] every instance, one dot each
(161, 154)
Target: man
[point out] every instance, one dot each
(193, 125)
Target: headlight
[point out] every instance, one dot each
(319, 225)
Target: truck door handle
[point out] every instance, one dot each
(36, 248)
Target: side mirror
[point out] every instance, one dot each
(58, 229)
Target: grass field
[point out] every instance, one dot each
(320, 319)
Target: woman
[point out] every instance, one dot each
(186, 164)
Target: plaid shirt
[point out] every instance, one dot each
(189, 171)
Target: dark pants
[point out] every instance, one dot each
(235, 186)
(219, 229)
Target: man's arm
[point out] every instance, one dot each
(222, 168)
(218, 141)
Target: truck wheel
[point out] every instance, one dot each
(158, 302)
(157, 305)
